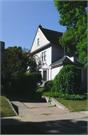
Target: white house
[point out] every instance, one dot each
(51, 57)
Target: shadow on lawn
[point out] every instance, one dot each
(47, 127)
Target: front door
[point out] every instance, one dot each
(45, 75)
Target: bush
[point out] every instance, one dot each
(65, 96)
(40, 90)
(27, 82)
(48, 85)
(68, 80)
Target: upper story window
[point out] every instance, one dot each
(38, 41)
(44, 56)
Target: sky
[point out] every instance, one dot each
(19, 20)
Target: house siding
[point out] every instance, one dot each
(55, 71)
(43, 41)
(57, 53)
(47, 62)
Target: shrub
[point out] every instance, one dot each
(68, 80)
(48, 85)
(65, 96)
(74, 97)
(27, 82)
(40, 90)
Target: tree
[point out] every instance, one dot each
(15, 63)
(73, 14)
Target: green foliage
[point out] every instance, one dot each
(73, 14)
(50, 94)
(67, 80)
(27, 83)
(49, 100)
(65, 96)
(40, 90)
(15, 63)
(48, 85)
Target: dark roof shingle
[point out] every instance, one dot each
(52, 36)
(63, 60)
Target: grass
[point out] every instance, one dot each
(52, 106)
(26, 128)
(6, 109)
(74, 105)
(86, 117)
(34, 107)
(46, 114)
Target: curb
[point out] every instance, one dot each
(55, 102)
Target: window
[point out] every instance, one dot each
(44, 75)
(44, 56)
(38, 41)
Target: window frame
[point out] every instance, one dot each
(38, 41)
(44, 56)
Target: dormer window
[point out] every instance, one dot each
(38, 41)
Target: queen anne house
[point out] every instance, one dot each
(51, 57)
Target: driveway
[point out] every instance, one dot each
(49, 118)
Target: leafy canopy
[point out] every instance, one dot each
(16, 62)
(73, 14)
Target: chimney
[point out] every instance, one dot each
(39, 26)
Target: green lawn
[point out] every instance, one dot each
(5, 108)
(74, 105)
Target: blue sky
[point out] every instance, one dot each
(19, 21)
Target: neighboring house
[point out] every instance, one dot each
(51, 57)
(2, 48)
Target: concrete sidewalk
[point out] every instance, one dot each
(50, 119)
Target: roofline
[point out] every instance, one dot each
(52, 30)
(34, 38)
(56, 65)
(43, 33)
(61, 62)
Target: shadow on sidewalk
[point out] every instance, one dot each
(31, 98)
(47, 127)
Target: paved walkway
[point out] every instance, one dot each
(50, 119)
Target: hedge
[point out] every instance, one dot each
(68, 80)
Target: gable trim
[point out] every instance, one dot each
(35, 36)
(40, 48)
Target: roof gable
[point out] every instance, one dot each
(42, 40)
(46, 37)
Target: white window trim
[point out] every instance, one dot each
(43, 57)
(81, 73)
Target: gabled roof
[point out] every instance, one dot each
(52, 36)
(63, 60)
